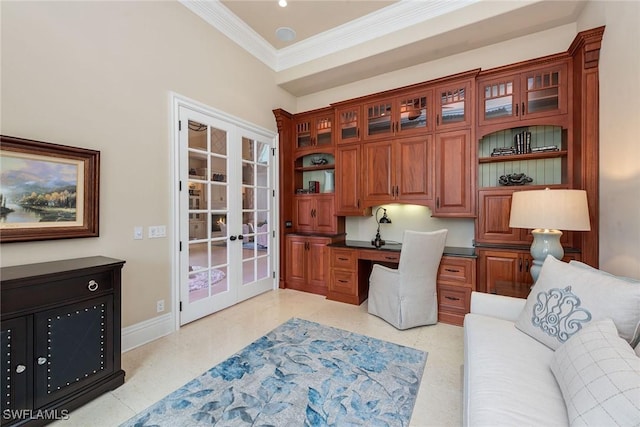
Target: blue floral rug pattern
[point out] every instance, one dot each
(300, 374)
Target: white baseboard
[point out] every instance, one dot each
(141, 333)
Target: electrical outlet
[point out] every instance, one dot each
(160, 306)
(137, 233)
(156, 231)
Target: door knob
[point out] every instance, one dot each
(20, 369)
(232, 238)
(240, 237)
(42, 360)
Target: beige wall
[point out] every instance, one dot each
(99, 75)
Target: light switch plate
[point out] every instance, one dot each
(137, 233)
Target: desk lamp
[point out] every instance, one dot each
(547, 212)
(377, 241)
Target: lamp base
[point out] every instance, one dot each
(378, 242)
(545, 242)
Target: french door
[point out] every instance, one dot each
(225, 215)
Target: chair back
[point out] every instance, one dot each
(420, 255)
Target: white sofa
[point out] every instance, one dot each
(509, 377)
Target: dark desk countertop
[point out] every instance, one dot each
(396, 247)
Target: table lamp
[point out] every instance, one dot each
(547, 212)
(377, 241)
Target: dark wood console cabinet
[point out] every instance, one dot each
(60, 336)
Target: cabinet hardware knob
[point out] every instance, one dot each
(523, 108)
(516, 110)
(437, 202)
(232, 238)
(437, 119)
(343, 259)
(392, 258)
(520, 264)
(92, 286)
(527, 266)
(20, 369)
(42, 360)
(452, 298)
(451, 270)
(342, 281)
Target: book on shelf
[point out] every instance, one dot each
(545, 148)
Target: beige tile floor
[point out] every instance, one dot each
(156, 369)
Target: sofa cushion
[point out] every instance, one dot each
(507, 377)
(565, 298)
(599, 375)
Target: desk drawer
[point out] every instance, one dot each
(454, 299)
(383, 256)
(457, 271)
(346, 259)
(343, 282)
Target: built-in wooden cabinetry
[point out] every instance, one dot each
(307, 262)
(398, 171)
(445, 143)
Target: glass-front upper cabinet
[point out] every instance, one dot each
(532, 93)
(348, 120)
(453, 105)
(406, 114)
(314, 129)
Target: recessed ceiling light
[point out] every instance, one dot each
(282, 3)
(285, 34)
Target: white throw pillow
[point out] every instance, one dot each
(599, 375)
(566, 298)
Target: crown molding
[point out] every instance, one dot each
(221, 18)
(390, 19)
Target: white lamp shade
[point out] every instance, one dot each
(550, 209)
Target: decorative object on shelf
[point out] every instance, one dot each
(514, 179)
(377, 241)
(522, 142)
(545, 149)
(328, 182)
(503, 151)
(317, 161)
(314, 186)
(547, 212)
(218, 177)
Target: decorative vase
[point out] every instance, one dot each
(328, 182)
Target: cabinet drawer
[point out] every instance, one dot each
(345, 259)
(384, 256)
(457, 271)
(454, 299)
(55, 291)
(343, 282)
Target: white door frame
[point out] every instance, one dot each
(178, 101)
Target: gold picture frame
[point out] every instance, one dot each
(47, 191)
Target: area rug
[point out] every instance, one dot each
(300, 374)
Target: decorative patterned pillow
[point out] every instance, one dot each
(566, 298)
(599, 375)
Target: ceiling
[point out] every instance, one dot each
(341, 41)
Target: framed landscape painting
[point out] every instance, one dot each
(47, 191)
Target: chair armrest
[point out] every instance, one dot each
(499, 306)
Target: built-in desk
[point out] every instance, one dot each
(351, 261)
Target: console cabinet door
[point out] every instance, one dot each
(348, 182)
(324, 214)
(16, 368)
(414, 169)
(72, 348)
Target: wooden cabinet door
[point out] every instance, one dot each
(405, 114)
(453, 105)
(544, 91)
(348, 175)
(414, 169)
(497, 266)
(379, 186)
(492, 224)
(348, 124)
(324, 215)
(499, 99)
(454, 174)
(303, 213)
(318, 263)
(313, 130)
(296, 260)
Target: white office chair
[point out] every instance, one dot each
(406, 297)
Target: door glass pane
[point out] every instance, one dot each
(379, 119)
(348, 124)
(452, 105)
(208, 207)
(323, 131)
(303, 134)
(255, 205)
(413, 113)
(500, 104)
